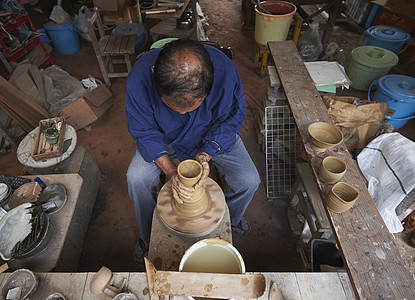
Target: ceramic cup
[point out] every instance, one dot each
(189, 172)
(324, 135)
(342, 197)
(332, 169)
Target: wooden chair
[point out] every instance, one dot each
(109, 48)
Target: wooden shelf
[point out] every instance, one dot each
(174, 15)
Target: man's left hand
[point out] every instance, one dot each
(203, 158)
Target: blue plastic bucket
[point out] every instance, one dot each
(398, 91)
(44, 38)
(65, 37)
(388, 37)
(133, 28)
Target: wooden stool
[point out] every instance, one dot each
(261, 52)
(167, 248)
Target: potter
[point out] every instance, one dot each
(186, 101)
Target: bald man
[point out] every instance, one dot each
(186, 101)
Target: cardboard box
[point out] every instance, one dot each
(106, 5)
(402, 7)
(391, 18)
(88, 108)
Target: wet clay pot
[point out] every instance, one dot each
(342, 197)
(189, 173)
(324, 135)
(332, 169)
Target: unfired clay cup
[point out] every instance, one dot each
(324, 135)
(342, 197)
(332, 169)
(100, 281)
(189, 172)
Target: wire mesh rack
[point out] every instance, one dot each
(283, 149)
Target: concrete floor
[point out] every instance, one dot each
(112, 234)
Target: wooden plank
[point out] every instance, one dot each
(18, 109)
(20, 69)
(211, 285)
(40, 83)
(21, 121)
(286, 283)
(137, 284)
(27, 86)
(70, 285)
(371, 257)
(291, 285)
(321, 286)
(174, 15)
(347, 287)
(20, 96)
(313, 194)
(131, 41)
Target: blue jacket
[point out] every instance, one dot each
(210, 128)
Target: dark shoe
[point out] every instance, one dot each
(141, 251)
(243, 227)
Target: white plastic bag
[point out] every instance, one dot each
(59, 15)
(80, 21)
(388, 164)
(309, 44)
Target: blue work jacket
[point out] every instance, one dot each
(210, 128)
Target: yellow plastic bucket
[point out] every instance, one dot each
(275, 25)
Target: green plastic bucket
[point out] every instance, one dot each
(368, 63)
(162, 42)
(275, 25)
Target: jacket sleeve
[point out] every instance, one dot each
(143, 127)
(228, 119)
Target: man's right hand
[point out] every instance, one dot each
(181, 193)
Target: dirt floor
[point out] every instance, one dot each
(111, 235)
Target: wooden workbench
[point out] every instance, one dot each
(370, 255)
(292, 285)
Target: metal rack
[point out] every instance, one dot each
(15, 48)
(283, 149)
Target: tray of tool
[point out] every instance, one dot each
(49, 138)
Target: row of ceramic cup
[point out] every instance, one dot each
(342, 196)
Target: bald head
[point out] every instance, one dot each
(183, 73)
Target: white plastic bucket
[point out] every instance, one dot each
(275, 25)
(212, 256)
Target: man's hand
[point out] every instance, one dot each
(203, 158)
(181, 193)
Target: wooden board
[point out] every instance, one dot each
(371, 257)
(40, 83)
(313, 194)
(27, 86)
(209, 285)
(22, 97)
(299, 286)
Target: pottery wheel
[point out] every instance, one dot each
(195, 226)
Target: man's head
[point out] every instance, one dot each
(183, 74)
